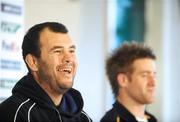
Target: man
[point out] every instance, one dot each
(45, 94)
(132, 74)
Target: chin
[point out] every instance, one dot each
(68, 85)
(150, 101)
(64, 89)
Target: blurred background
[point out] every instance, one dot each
(97, 27)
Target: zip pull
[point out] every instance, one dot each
(117, 119)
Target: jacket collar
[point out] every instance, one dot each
(126, 115)
(123, 112)
(71, 104)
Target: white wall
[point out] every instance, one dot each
(171, 36)
(85, 20)
(91, 53)
(154, 38)
(163, 31)
(64, 11)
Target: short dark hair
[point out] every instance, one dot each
(31, 44)
(122, 59)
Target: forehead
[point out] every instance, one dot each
(145, 64)
(50, 39)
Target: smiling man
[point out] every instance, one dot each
(131, 71)
(45, 94)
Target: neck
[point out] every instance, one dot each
(135, 108)
(55, 96)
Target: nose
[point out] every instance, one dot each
(152, 80)
(67, 58)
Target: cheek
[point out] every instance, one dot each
(75, 67)
(74, 58)
(50, 64)
(137, 84)
(54, 60)
(75, 61)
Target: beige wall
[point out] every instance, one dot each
(65, 11)
(154, 15)
(163, 33)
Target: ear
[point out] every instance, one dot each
(122, 80)
(31, 62)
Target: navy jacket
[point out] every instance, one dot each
(120, 114)
(30, 103)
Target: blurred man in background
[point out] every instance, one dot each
(132, 75)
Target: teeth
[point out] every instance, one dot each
(66, 70)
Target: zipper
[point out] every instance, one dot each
(59, 115)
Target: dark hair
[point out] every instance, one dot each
(121, 61)
(31, 44)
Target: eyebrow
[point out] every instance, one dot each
(60, 47)
(147, 72)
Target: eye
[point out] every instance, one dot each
(72, 51)
(144, 74)
(58, 51)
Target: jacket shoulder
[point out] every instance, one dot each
(9, 107)
(110, 116)
(85, 117)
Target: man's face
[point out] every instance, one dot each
(142, 81)
(57, 63)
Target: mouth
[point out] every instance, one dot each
(152, 91)
(65, 69)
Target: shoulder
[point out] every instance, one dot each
(9, 107)
(11, 102)
(85, 117)
(110, 116)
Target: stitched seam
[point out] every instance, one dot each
(30, 111)
(86, 116)
(19, 108)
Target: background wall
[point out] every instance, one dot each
(171, 57)
(154, 35)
